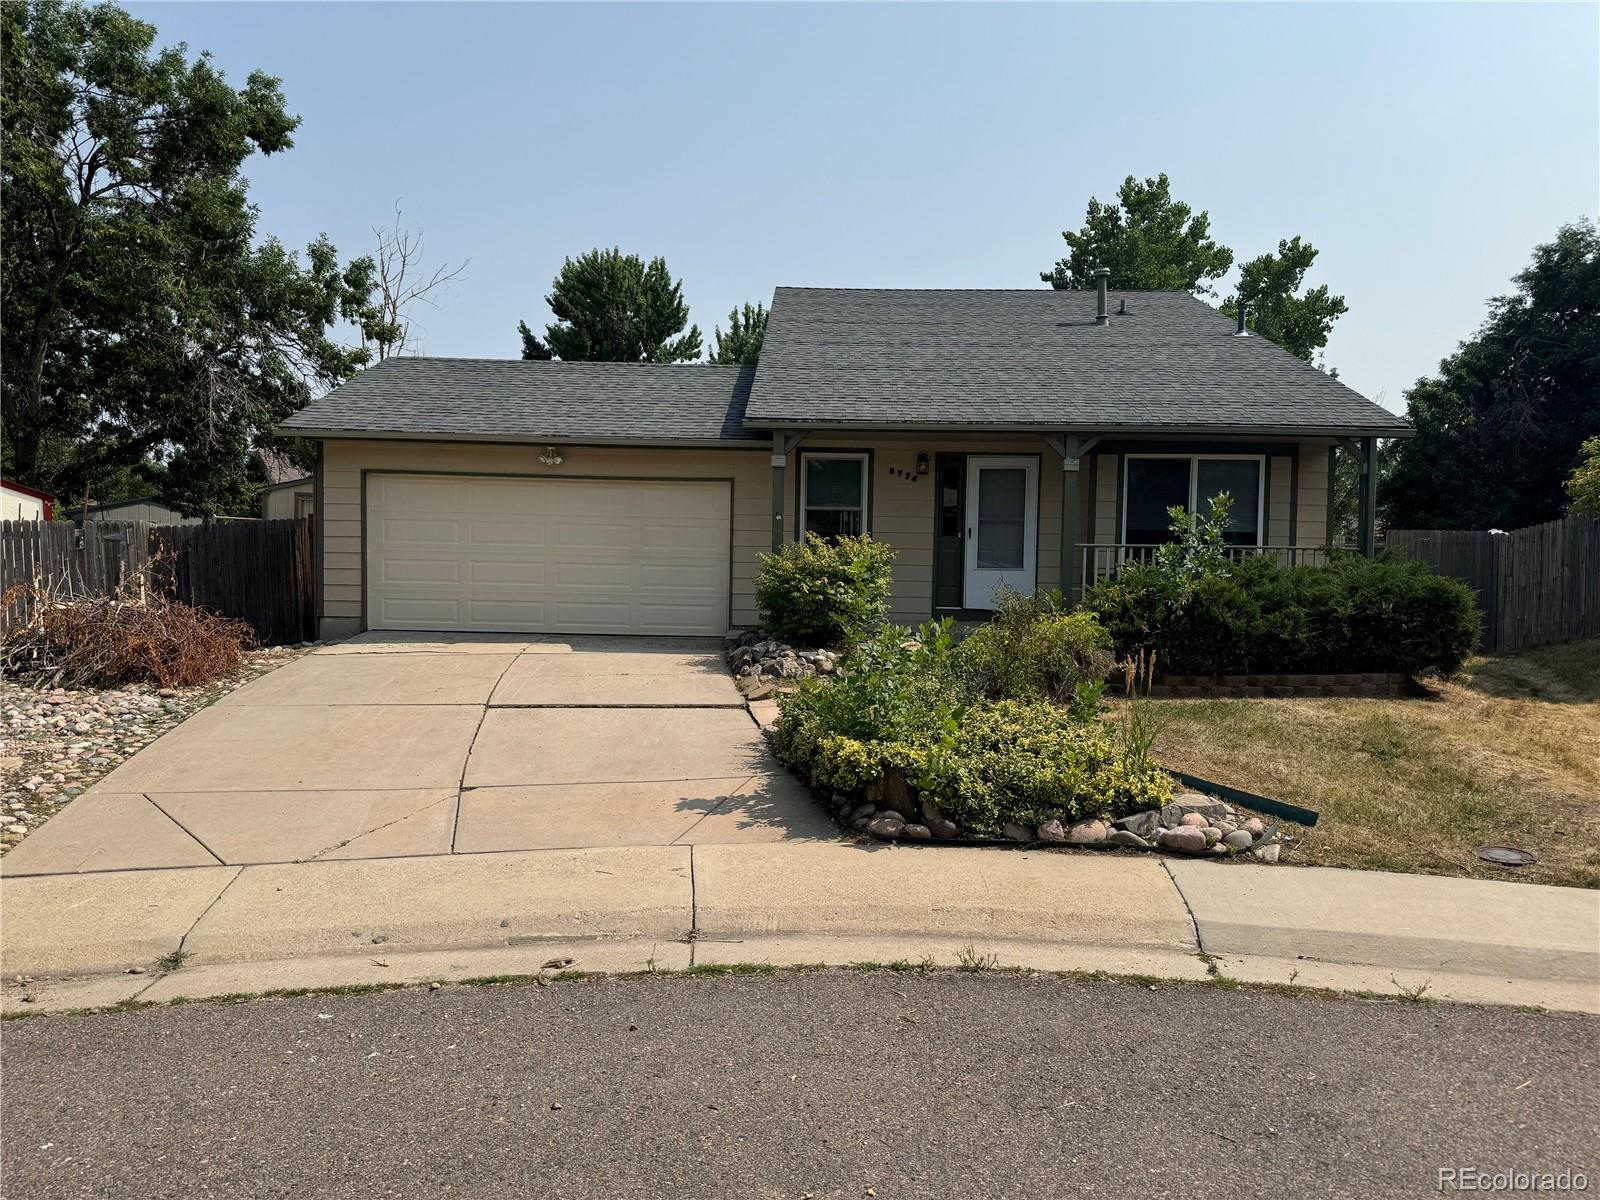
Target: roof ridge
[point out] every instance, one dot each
(1042, 291)
(547, 362)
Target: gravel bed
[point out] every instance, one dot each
(59, 741)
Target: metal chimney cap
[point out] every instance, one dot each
(1102, 271)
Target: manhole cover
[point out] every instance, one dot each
(1506, 856)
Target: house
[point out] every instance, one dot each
(23, 503)
(1031, 438)
(289, 500)
(288, 492)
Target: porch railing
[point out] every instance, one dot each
(1104, 561)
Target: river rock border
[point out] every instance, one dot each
(764, 666)
(1192, 824)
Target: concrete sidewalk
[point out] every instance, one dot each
(403, 919)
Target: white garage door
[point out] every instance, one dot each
(521, 555)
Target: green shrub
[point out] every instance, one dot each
(1034, 649)
(1355, 614)
(1029, 761)
(821, 593)
(900, 701)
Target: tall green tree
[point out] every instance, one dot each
(1501, 427)
(747, 327)
(615, 307)
(144, 327)
(1583, 485)
(1270, 289)
(1147, 240)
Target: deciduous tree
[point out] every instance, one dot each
(1501, 426)
(1276, 307)
(1147, 240)
(143, 323)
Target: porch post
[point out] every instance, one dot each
(780, 460)
(1070, 459)
(1366, 535)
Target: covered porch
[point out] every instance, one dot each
(969, 511)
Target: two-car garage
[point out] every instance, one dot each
(522, 554)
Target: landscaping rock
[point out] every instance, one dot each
(887, 827)
(58, 742)
(1213, 835)
(863, 810)
(1051, 831)
(1255, 825)
(1015, 832)
(918, 832)
(1267, 853)
(945, 831)
(1195, 819)
(1126, 837)
(1188, 838)
(1239, 839)
(765, 665)
(1142, 824)
(1087, 833)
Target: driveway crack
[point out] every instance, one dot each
(197, 839)
(461, 784)
(1193, 923)
(356, 837)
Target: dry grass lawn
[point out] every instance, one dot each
(1508, 754)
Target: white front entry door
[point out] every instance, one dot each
(1002, 526)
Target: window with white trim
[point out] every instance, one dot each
(833, 494)
(1153, 483)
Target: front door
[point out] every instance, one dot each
(1002, 526)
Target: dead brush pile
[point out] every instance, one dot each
(136, 634)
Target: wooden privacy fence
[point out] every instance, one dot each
(259, 571)
(1536, 585)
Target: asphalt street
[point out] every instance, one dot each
(819, 1084)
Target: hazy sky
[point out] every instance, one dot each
(1424, 150)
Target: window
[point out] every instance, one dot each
(833, 494)
(1157, 482)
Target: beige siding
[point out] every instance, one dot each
(156, 514)
(1311, 516)
(903, 509)
(1105, 500)
(1280, 469)
(283, 503)
(344, 461)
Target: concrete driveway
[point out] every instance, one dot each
(393, 745)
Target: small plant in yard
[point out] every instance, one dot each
(1139, 721)
(816, 592)
(969, 959)
(174, 960)
(1034, 648)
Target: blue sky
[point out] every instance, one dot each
(1423, 149)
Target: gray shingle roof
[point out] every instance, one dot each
(496, 398)
(1035, 358)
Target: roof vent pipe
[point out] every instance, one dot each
(1101, 274)
(1241, 331)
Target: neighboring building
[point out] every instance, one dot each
(288, 490)
(139, 508)
(1028, 438)
(289, 499)
(23, 503)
